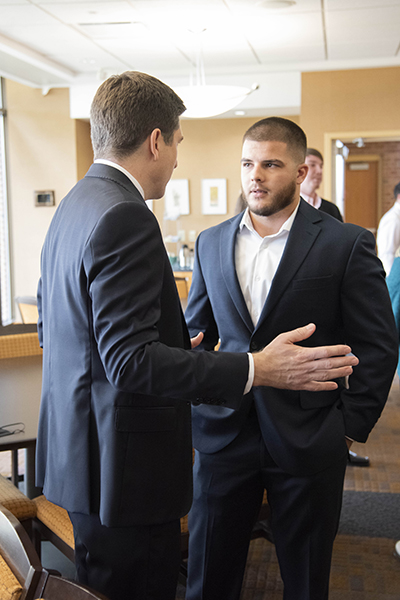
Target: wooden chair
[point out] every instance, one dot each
(17, 503)
(52, 523)
(57, 588)
(21, 572)
(22, 576)
(27, 306)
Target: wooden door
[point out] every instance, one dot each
(361, 199)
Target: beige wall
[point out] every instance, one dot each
(84, 151)
(364, 100)
(41, 156)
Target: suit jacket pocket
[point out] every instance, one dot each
(312, 283)
(319, 399)
(139, 419)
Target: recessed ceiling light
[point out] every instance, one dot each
(275, 3)
(240, 113)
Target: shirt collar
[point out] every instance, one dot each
(315, 202)
(135, 182)
(287, 225)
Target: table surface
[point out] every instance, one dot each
(20, 389)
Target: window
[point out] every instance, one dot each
(6, 303)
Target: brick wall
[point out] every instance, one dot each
(390, 155)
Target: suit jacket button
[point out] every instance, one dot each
(253, 346)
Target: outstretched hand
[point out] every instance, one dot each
(282, 364)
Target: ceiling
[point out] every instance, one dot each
(53, 43)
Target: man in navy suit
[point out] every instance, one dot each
(114, 444)
(277, 265)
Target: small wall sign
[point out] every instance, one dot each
(44, 198)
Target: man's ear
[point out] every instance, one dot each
(154, 143)
(302, 171)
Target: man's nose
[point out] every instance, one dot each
(256, 173)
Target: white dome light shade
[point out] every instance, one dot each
(204, 101)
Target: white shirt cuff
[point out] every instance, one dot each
(250, 377)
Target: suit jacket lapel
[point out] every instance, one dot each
(228, 268)
(304, 232)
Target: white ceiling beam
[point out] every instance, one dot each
(31, 57)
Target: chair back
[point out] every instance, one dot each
(29, 580)
(57, 588)
(19, 554)
(27, 306)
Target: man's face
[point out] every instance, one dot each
(269, 177)
(314, 175)
(168, 162)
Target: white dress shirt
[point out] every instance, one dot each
(388, 236)
(257, 260)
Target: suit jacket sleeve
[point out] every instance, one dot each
(126, 270)
(199, 314)
(371, 332)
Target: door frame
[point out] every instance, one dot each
(348, 136)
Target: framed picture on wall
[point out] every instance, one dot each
(213, 196)
(176, 199)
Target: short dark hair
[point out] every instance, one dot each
(127, 108)
(277, 129)
(314, 152)
(396, 190)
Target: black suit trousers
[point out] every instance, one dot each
(229, 487)
(127, 563)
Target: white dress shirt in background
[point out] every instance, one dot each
(388, 236)
(315, 202)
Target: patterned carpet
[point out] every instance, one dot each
(364, 566)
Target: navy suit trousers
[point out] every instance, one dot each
(229, 487)
(127, 563)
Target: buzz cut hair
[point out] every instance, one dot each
(278, 129)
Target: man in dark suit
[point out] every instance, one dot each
(279, 264)
(308, 190)
(114, 443)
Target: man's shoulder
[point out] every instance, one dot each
(330, 208)
(334, 226)
(227, 225)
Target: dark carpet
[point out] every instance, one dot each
(370, 514)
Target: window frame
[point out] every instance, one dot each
(12, 328)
